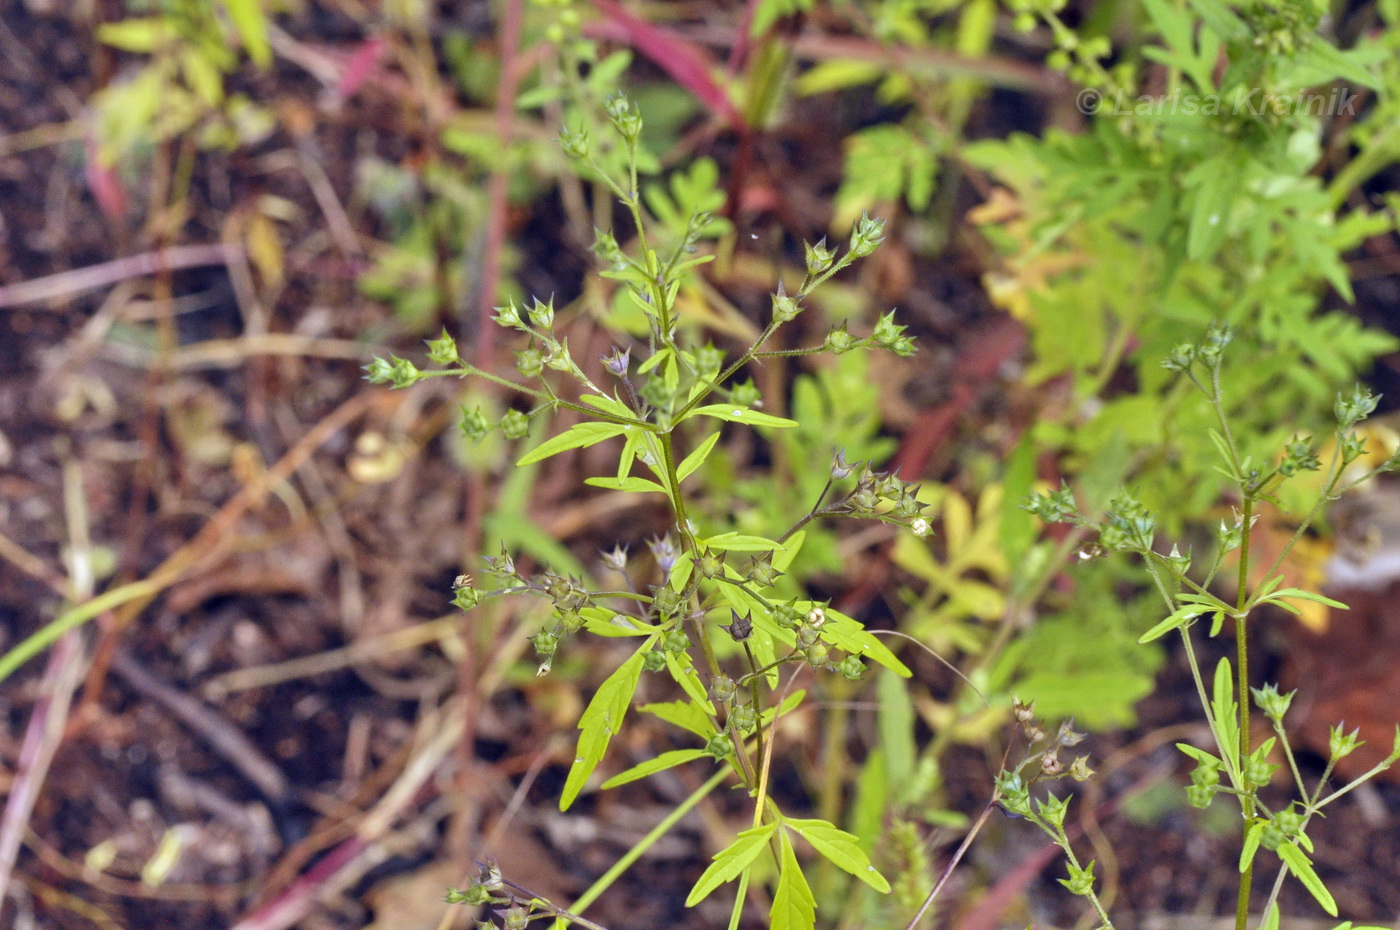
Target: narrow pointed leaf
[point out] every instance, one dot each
(659, 764)
(697, 458)
(741, 415)
(581, 434)
(601, 720)
(730, 861)
(842, 848)
(1302, 870)
(794, 908)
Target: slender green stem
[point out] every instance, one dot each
(1242, 661)
(606, 880)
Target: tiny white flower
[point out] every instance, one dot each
(816, 617)
(920, 527)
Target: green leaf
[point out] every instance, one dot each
(730, 861)
(895, 721)
(1223, 706)
(842, 848)
(741, 415)
(794, 908)
(683, 671)
(783, 557)
(697, 458)
(610, 623)
(580, 434)
(251, 24)
(1200, 755)
(1270, 921)
(1302, 595)
(631, 484)
(609, 405)
(1251, 845)
(650, 767)
(1177, 618)
(1302, 869)
(734, 542)
(141, 35)
(601, 720)
(682, 714)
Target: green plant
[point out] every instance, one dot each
(1196, 193)
(718, 617)
(181, 86)
(1234, 764)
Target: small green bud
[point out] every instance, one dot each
(529, 362)
(606, 248)
(474, 425)
(463, 594)
(745, 394)
(723, 689)
(542, 314)
(1289, 820)
(624, 116)
(514, 425)
(516, 917)
(806, 636)
(1257, 771)
(508, 317)
(502, 564)
(1213, 345)
(708, 360)
(710, 564)
(1079, 769)
(1200, 796)
(546, 642)
(786, 615)
(818, 257)
(760, 571)
(743, 718)
(867, 236)
(443, 350)
(839, 341)
(1058, 507)
(1273, 704)
(1013, 796)
(785, 308)
(1023, 22)
(719, 746)
(1080, 881)
(817, 655)
(675, 642)
(1298, 456)
(1181, 358)
(666, 601)
(1352, 446)
(654, 661)
(1053, 809)
(396, 372)
(851, 667)
(574, 142)
(1341, 744)
(1206, 774)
